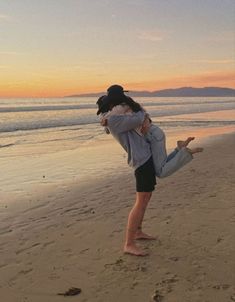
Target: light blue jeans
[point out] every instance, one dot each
(165, 165)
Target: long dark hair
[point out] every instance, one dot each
(135, 107)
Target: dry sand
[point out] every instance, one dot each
(72, 236)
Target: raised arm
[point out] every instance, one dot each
(122, 123)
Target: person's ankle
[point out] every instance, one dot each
(129, 243)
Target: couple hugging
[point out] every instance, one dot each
(145, 144)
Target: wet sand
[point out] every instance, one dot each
(68, 234)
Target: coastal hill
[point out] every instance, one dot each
(177, 92)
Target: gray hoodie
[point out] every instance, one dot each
(122, 127)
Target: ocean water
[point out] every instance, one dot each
(50, 142)
(69, 120)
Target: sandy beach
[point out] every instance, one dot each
(81, 82)
(67, 235)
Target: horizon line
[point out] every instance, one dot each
(129, 91)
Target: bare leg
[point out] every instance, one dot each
(134, 221)
(140, 235)
(166, 165)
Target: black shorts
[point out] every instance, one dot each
(145, 177)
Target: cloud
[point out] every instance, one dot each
(153, 36)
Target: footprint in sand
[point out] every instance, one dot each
(84, 251)
(221, 286)
(13, 279)
(232, 297)
(48, 243)
(219, 239)
(164, 287)
(157, 296)
(27, 248)
(121, 265)
(5, 231)
(26, 271)
(174, 258)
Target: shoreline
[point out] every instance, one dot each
(73, 236)
(27, 172)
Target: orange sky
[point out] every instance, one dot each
(82, 47)
(38, 87)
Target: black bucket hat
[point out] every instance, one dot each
(116, 90)
(115, 96)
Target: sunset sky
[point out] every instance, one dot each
(62, 47)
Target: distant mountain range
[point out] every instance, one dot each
(177, 92)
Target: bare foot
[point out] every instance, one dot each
(195, 150)
(181, 144)
(144, 236)
(134, 250)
